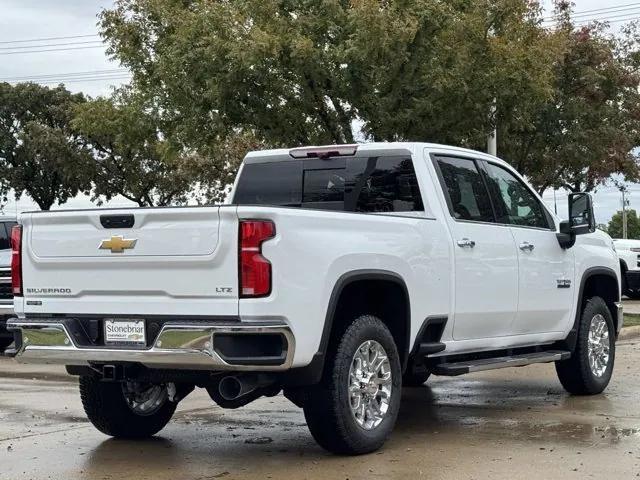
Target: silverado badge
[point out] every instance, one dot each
(117, 244)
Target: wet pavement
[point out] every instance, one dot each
(506, 424)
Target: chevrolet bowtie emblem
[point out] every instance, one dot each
(117, 244)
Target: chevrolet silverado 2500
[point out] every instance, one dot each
(336, 275)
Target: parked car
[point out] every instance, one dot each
(336, 274)
(6, 296)
(629, 254)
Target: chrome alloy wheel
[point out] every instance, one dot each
(598, 345)
(370, 384)
(144, 399)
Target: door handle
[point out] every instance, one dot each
(466, 243)
(526, 247)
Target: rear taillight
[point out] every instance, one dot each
(16, 260)
(254, 269)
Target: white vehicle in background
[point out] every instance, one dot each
(6, 296)
(629, 254)
(336, 275)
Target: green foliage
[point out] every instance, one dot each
(132, 156)
(213, 79)
(301, 72)
(587, 129)
(39, 153)
(633, 225)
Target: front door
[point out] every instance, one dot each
(485, 258)
(546, 271)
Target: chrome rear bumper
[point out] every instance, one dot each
(177, 346)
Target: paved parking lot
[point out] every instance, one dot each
(509, 424)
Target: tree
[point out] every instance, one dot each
(133, 157)
(633, 225)
(292, 73)
(39, 153)
(588, 128)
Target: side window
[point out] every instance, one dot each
(515, 204)
(468, 196)
(274, 183)
(383, 184)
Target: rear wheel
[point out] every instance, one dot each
(126, 409)
(590, 367)
(354, 408)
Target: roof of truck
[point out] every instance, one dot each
(282, 154)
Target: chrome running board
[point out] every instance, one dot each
(469, 366)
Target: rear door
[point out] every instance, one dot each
(160, 261)
(486, 264)
(545, 291)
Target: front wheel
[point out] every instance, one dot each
(354, 408)
(126, 409)
(590, 367)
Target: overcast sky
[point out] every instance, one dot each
(85, 67)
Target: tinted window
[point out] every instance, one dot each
(5, 235)
(384, 184)
(324, 185)
(376, 184)
(468, 196)
(515, 204)
(277, 183)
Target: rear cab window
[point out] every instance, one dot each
(356, 184)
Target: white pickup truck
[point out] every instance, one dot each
(629, 254)
(336, 275)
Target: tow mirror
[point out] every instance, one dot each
(581, 213)
(581, 219)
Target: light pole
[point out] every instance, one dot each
(625, 203)
(492, 139)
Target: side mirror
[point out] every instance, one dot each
(581, 216)
(581, 219)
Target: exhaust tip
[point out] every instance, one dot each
(230, 388)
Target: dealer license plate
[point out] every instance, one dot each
(124, 332)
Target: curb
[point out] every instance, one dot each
(629, 332)
(46, 376)
(10, 369)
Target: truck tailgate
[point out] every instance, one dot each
(165, 261)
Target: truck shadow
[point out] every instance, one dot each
(455, 414)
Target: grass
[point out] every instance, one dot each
(631, 320)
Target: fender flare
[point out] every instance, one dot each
(312, 373)
(572, 338)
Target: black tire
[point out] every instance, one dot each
(633, 294)
(327, 406)
(4, 343)
(576, 374)
(415, 379)
(108, 411)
